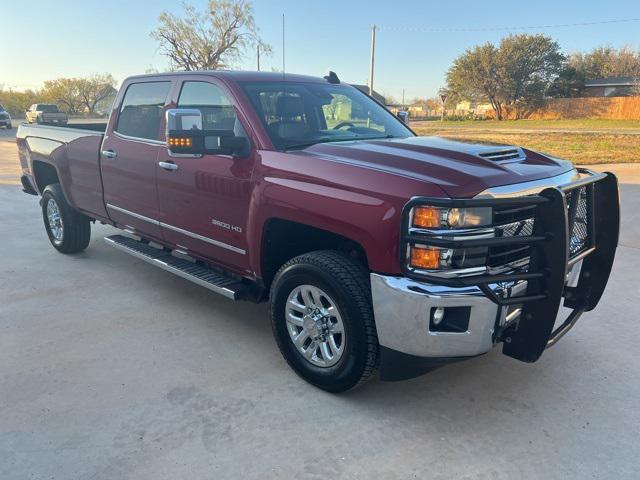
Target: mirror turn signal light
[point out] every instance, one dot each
(424, 257)
(179, 142)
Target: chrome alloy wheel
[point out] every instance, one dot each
(315, 326)
(55, 221)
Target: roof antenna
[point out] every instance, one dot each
(283, 65)
(332, 77)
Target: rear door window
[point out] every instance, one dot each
(141, 112)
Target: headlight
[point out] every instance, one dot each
(425, 257)
(436, 217)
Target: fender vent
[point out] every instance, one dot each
(500, 155)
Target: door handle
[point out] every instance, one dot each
(109, 153)
(168, 165)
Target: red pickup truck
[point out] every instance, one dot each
(378, 250)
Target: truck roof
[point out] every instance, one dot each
(240, 76)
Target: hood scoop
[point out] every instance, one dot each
(511, 154)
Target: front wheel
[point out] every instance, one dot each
(322, 319)
(68, 231)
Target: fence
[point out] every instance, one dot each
(614, 108)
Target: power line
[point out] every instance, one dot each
(502, 29)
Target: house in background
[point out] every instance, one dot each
(466, 107)
(611, 87)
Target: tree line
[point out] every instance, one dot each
(88, 95)
(516, 75)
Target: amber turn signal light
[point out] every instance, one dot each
(424, 257)
(179, 142)
(426, 217)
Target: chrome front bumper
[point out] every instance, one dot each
(402, 309)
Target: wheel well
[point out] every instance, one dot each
(44, 175)
(284, 240)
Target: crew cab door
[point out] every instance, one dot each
(129, 158)
(204, 200)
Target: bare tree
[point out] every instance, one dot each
(96, 90)
(64, 92)
(211, 39)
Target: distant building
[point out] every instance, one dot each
(466, 107)
(611, 87)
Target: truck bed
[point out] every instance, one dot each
(70, 152)
(61, 131)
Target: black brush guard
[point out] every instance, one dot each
(546, 274)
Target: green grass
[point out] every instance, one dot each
(581, 141)
(583, 124)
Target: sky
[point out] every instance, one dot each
(416, 43)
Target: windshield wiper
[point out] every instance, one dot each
(306, 144)
(332, 140)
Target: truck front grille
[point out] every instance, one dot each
(503, 255)
(514, 222)
(578, 202)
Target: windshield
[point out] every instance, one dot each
(47, 108)
(297, 115)
(1, 108)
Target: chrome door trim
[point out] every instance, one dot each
(133, 214)
(204, 239)
(179, 230)
(148, 141)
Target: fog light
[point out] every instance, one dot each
(438, 315)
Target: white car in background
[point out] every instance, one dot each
(47, 113)
(5, 118)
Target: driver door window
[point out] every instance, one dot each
(342, 112)
(217, 111)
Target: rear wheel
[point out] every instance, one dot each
(68, 231)
(322, 320)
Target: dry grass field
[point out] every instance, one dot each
(581, 141)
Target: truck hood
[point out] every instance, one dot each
(461, 169)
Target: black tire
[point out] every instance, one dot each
(348, 284)
(76, 227)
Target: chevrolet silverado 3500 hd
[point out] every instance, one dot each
(378, 250)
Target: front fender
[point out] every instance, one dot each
(365, 218)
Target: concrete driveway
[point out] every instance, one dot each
(112, 369)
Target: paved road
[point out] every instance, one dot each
(112, 369)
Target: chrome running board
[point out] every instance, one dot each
(201, 275)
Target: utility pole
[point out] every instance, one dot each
(258, 55)
(403, 99)
(373, 55)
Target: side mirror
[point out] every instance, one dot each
(403, 115)
(185, 136)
